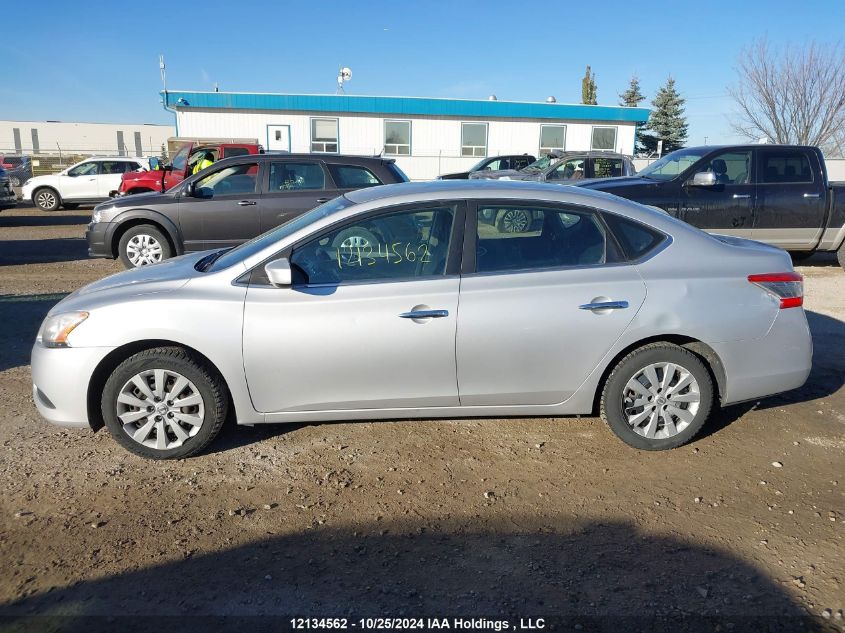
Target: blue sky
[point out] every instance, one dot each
(98, 61)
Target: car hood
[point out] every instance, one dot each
(609, 184)
(137, 200)
(165, 277)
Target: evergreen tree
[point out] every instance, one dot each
(632, 96)
(588, 88)
(667, 121)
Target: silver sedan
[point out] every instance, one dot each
(408, 301)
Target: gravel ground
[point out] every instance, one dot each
(487, 517)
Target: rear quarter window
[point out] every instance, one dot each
(636, 240)
(353, 176)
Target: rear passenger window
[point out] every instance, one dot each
(525, 237)
(784, 166)
(353, 177)
(635, 239)
(286, 176)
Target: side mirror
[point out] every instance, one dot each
(278, 272)
(202, 192)
(704, 179)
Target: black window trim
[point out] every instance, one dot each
(254, 276)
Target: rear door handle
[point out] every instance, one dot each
(811, 195)
(605, 305)
(424, 314)
(738, 196)
(322, 200)
(246, 203)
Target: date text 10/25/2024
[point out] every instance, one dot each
(423, 624)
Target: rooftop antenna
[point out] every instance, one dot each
(162, 69)
(343, 75)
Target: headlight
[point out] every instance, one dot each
(29, 180)
(55, 329)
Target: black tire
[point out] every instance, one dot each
(128, 242)
(208, 382)
(627, 368)
(800, 256)
(47, 199)
(70, 206)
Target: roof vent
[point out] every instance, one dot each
(492, 98)
(551, 99)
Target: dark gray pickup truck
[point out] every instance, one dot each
(778, 194)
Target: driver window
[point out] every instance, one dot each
(401, 245)
(232, 180)
(730, 168)
(572, 169)
(85, 169)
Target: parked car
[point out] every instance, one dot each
(230, 202)
(610, 305)
(182, 166)
(777, 194)
(493, 163)
(86, 182)
(7, 196)
(18, 168)
(560, 166)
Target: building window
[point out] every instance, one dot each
(473, 139)
(397, 138)
(324, 135)
(552, 137)
(604, 138)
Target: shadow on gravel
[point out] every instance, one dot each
(22, 252)
(22, 315)
(43, 220)
(605, 576)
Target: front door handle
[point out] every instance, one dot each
(246, 203)
(738, 196)
(322, 200)
(811, 195)
(605, 305)
(424, 314)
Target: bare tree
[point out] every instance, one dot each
(792, 95)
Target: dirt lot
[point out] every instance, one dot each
(474, 517)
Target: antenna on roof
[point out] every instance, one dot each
(343, 75)
(162, 69)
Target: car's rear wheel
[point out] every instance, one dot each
(47, 199)
(143, 245)
(657, 397)
(164, 403)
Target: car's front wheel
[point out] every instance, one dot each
(657, 397)
(164, 403)
(143, 245)
(47, 199)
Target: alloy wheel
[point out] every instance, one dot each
(515, 221)
(143, 249)
(160, 408)
(45, 199)
(661, 400)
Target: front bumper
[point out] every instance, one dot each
(780, 361)
(60, 380)
(96, 236)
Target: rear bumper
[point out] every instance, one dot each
(778, 362)
(60, 380)
(96, 235)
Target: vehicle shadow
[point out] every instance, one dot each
(22, 252)
(24, 313)
(43, 220)
(606, 576)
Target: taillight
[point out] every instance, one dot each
(788, 287)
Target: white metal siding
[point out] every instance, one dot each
(435, 140)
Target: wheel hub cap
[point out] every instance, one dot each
(661, 400)
(160, 409)
(143, 250)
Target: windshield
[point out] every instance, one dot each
(256, 244)
(540, 164)
(672, 164)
